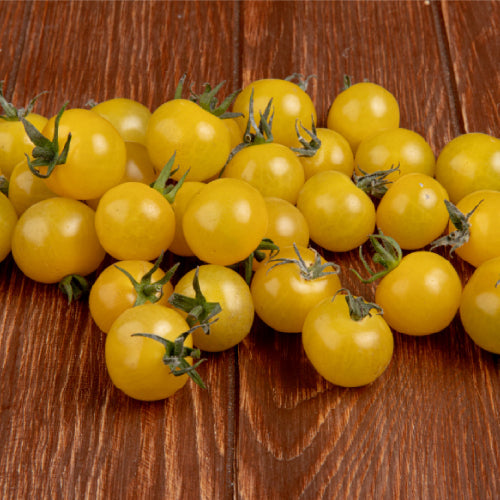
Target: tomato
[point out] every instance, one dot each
(397, 147)
(129, 117)
(225, 221)
(25, 188)
(15, 143)
(413, 211)
(96, 158)
(113, 292)
(469, 162)
(182, 198)
(287, 225)
(345, 351)
(484, 238)
(135, 363)
(362, 110)
(134, 222)
(8, 220)
(290, 103)
(55, 238)
(272, 168)
(421, 295)
(225, 286)
(339, 214)
(284, 291)
(334, 154)
(480, 306)
(235, 132)
(200, 140)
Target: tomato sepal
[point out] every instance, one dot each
(461, 235)
(176, 353)
(375, 183)
(359, 308)
(309, 148)
(46, 152)
(13, 114)
(74, 286)
(388, 254)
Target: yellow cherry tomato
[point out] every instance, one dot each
(334, 154)
(272, 168)
(129, 117)
(8, 220)
(112, 292)
(362, 110)
(397, 147)
(26, 189)
(199, 139)
(413, 211)
(225, 286)
(469, 162)
(135, 363)
(225, 221)
(55, 238)
(480, 306)
(290, 103)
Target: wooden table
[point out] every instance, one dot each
(267, 427)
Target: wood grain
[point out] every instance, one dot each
(267, 426)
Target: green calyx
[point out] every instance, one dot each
(374, 184)
(309, 148)
(198, 309)
(146, 290)
(176, 353)
(387, 253)
(359, 308)
(259, 255)
(169, 191)
(261, 133)
(46, 152)
(11, 112)
(300, 80)
(310, 272)
(207, 100)
(461, 235)
(4, 185)
(74, 287)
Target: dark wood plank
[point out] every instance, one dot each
(428, 428)
(66, 432)
(472, 30)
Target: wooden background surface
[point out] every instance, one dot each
(267, 426)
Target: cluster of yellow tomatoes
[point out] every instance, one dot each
(254, 193)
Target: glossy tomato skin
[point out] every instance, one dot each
(55, 238)
(271, 168)
(413, 211)
(184, 195)
(421, 295)
(346, 352)
(283, 297)
(339, 214)
(112, 292)
(469, 162)
(26, 189)
(200, 140)
(129, 117)
(397, 147)
(225, 221)
(225, 286)
(480, 306)
(362, 110)
(290, 103)
(134, 222)
(14, 142)
(8, 221)
(484, 238)
(135, 364)
(334, 154)
(235, 133)
(96, 158)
